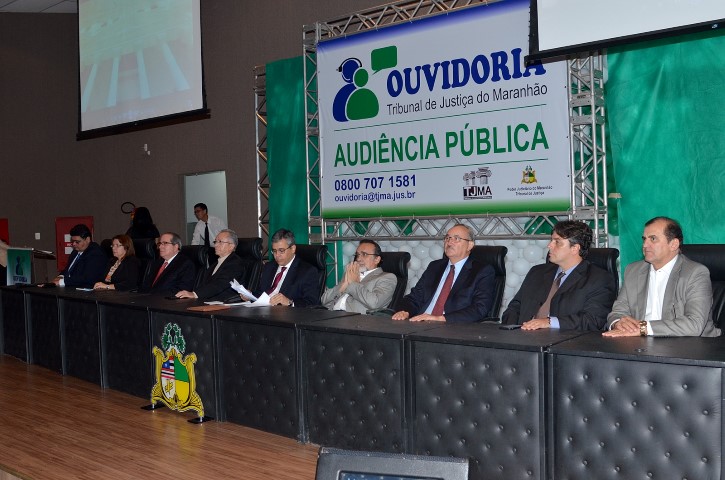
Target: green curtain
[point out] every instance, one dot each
(666, 124)
(286, 160)
(286, 166)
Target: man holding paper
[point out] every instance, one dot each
(215, 285)
(288, 280)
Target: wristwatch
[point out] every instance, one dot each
(643, 328)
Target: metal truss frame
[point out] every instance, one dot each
(587, 146)
(260, 123)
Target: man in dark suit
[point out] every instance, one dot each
(456, 289)
(568, 292)
(288, 280)
(215, 285)
(86, 265)
(171, 272)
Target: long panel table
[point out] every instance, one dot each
(355, 382)
(521, 405)
(261, 381)
(637, 407)
(478, 391)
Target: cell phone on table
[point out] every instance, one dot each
(509, 327)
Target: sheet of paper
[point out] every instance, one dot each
(239, 288)
(262, 301)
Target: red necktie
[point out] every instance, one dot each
(443, 296)
(277, 278)
(161, 270)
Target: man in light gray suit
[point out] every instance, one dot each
(667, 294)
(365, 286)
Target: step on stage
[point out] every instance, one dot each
(55, 426)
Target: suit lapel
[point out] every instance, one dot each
(669, 298)
(372, 275)
(572, 279)
(641, 292)
(461, 279)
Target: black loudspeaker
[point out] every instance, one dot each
(337, 464)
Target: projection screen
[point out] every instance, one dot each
(139, 60)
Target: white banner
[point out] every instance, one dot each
(441, 116)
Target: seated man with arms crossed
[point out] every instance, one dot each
(455, 289)
(568, 292)
(666, 294)
(215, 284)
(365, 286)
(288, 280)
(171, 272)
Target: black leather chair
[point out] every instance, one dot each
(606, 258)
(106, 247)
(397, 264)
(496, 257)
(315, 255)
(199, 256)
(146, 252)
(713, 257)
(250, 251)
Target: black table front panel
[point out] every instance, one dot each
(616, 419)
(81, 339)
(128, 360)
(45, 331)
(198, 332)
(485, 404)
(354, 389)
(13, 323)
(258, 376)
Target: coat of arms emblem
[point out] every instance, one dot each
(175, 383)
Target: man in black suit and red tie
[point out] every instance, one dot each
(456, 289)
(229, 266)
(288, 280)
(171, 272)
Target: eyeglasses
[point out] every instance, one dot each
(364, 255)
(455, 239)
(222, 241)
(279, 251)
(76, 242)
(164, 243)
(116, 245)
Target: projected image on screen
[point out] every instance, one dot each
(139, 59)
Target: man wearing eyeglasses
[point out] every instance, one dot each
(365, 286)
(215, 284)
(288, 280)
(456, 289)
(86, 265)
(171, 272)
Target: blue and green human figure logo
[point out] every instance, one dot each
(353, 101)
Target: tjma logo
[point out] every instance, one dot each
(353, 101)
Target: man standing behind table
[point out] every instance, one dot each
(288, 280)
(667, 294)
(215, 284)
(455, 289)
(86, 265)
(172, 271)
(207, 227)
(568, 292)
(365, 286)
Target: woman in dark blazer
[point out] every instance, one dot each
(124, 267)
